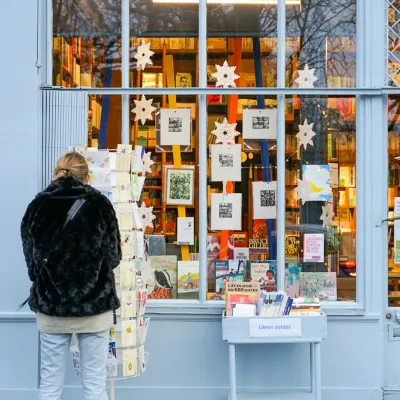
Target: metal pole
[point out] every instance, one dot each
(112, 389)
(280, 144)
(232, 372)
(125, 71)
(202, 101)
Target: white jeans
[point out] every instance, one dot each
(93, 349)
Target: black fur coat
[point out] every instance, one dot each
(78, 279)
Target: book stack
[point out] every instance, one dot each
(305, 306)
(239, 294)
(275, 304)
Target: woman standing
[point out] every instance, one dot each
(71, 244)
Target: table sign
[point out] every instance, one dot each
(275, 327)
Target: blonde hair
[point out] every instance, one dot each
(73, 165)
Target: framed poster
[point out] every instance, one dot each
(180, 187)
(259, 124)
(264, 200)
(226, 211)
(175, 126)
(226, 163)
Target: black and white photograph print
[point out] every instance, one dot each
(226, 160)
(264, 200)
(226, 211)
(175, 126)
(259, 123)
(267, 198)
(226, 163)
(180, 187)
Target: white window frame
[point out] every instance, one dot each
(368, 88)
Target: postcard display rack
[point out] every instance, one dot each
(120, 177)
(309, 329)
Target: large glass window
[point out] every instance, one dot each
(242, 134)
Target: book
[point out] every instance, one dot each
(188, 279)
(263, 272)
(318, 284)
(228, 271)
(292, 280)
(242, 293)
(156, 245)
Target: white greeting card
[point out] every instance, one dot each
(128, 329)
(175, 126)
(226, 163)
(125, 216)
(313, 247)
(137, 159)
(259, 123)
(143, 330)
(127, 244)
(124, 155)
(264, 200)
(124, 193)
(138, 244)
(137, 183)
(185, 230)
(127, 275)
(128, 304)
(129, 362)
(226, 211)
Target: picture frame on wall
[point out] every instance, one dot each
(226, 211)
(226, 163)
(259, 123)
(183, 79)
(175, 126)
(180, 186)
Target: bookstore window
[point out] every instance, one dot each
(394, 200)
(320, 234)
(320, 195)
(86, 43)
(321, 36)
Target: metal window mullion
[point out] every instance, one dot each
(125, 69)
(360, 44)
(202, 149)
(280, 145)
(49, 42)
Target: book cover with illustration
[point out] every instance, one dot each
(262, 272)
(318, 284)
(159, 276)
(188, 280)
(228, 271)
(292, 280)
(241, 293)
(213, 251)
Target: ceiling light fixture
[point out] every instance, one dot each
(243, 2)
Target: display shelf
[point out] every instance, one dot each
(310, 329)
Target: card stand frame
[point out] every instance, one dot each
(169, 149)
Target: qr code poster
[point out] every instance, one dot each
(259, 124)
(226, 212)
(175, 126)
(264, 200)
(226, 163)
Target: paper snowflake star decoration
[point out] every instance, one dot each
(225, 132)
(143, 109)
(327, 214)
(306, 78)
(304, 191)
(146, 215)
(306, 134)
(147, 162)
(225, 75)
(143, 54)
